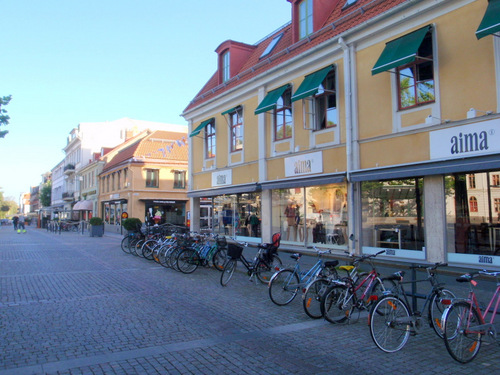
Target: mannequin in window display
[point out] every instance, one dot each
(290, 214)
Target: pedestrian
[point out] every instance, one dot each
(254, 223)
(21, 227)
(15, 220)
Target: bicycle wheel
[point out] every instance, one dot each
(461, 339)
(389, 323)
(124, 244)
(283, 287)
(138, 247)
(219, 259)
(264, 270)
(188, 261)
(148, 248)
(337, 304)
(227, 272)
(311, 298)
(436, 309)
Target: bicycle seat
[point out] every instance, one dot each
(465, 278)
(296, 256)
(346, 268)
(332, 263)
(396, 276)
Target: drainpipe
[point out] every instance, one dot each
(350, 137)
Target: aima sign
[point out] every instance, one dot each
(468, 140)
(304, 164)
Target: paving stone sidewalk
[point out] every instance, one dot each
(73, 304)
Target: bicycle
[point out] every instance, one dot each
(392, 319)
(465, 324)
(265, 262)
(286, 283)
(354, 292)
(214, 253)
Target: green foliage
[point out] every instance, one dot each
(95, 221)
(4, 118)
(131, 224)
(46, 194)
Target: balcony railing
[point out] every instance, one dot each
(68, 196)
(69, 169)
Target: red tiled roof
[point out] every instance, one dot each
(339, 21)
(159, 145)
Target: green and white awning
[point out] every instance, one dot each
(491, 20)
(269, 102)
(400, 51)
(310, 84)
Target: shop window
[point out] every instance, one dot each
(312, 215)
(236, 126)
(326, 103)
(152, 180)
(179, 179)
(283, 116)
(472, 216)
(392, 214)
(416, 79)
(210, 140)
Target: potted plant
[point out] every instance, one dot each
(96, 227)
(132, 224)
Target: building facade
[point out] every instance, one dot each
(361, 125)
(146, 178)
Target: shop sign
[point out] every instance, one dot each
(222, 178)
(164, 202)
(124, 215)
(468, 140)
(304, 164)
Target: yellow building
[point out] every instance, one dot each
(146, 178)
(357, 126)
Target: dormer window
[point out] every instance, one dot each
(226, 73)
(305, 18)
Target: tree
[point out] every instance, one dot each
(4, 117)
(46, 194)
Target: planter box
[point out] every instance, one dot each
(96, 230)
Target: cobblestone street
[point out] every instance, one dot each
(72, 304)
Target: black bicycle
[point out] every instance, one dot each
(263, 266)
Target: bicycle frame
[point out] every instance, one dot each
(307, 277)
(474, 304)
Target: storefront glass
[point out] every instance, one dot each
(162, 212)
(113, 212)
(473, 217)
(237, 215)
(312, 215)
(393, 217)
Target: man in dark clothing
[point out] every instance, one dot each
(15, 221)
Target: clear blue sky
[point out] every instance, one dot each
(71, 61)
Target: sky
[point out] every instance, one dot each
(69, 61)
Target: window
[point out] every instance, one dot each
(283, 116)
(305, 18)
(236, 125)
(271, 45)
(416, 79)
(226, 74)
(496, 204)
(472, 181)
(326, 103)
(495, 180)
(152, 178)
(210, 140)
(179, 179)
(473, 204)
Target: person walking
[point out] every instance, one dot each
(20, 227)
(15, 221)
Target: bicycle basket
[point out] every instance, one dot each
(234, 251)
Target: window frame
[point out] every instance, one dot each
(179, 179)
(236, 130)
(322, 97)
(306, 18)
(226, 66)
(152, 179)
(210, 141)
(283, 104)
(416, 67)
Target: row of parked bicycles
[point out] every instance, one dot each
(335, 292)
